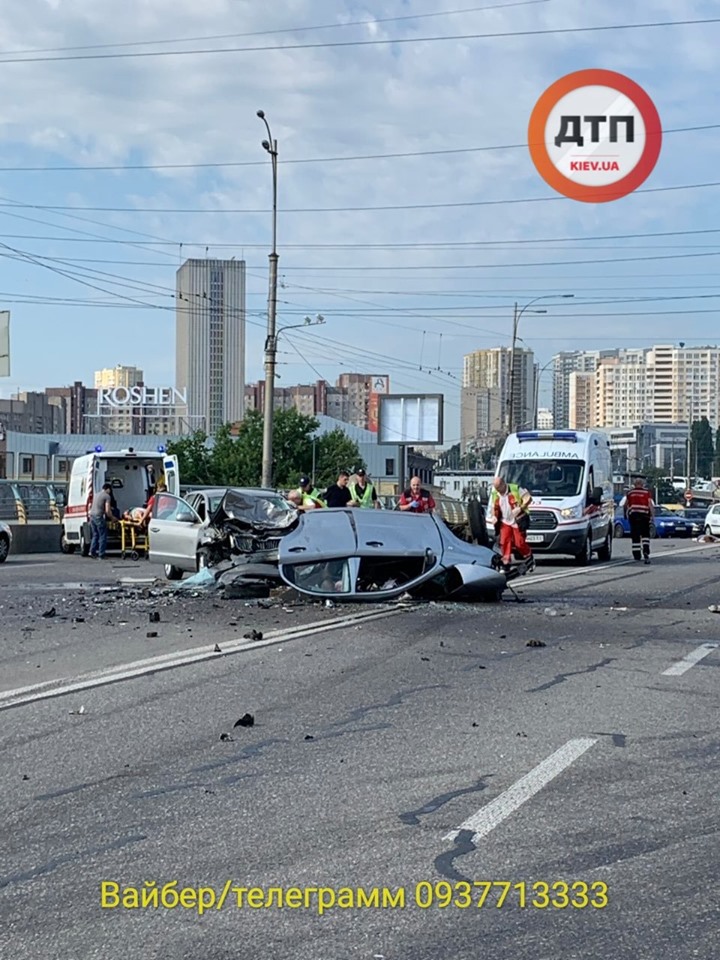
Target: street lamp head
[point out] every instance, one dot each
(261, 114)
(266, 145)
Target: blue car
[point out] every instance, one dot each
(666, 524)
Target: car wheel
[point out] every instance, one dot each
(4, 547)
(605, 551)
(653, 532)
(476, 521)
(85, 542)
(585, 555)
(619, 530)
(172, 573)
(708, 531)
(66, 547)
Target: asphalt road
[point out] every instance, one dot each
(423, 752)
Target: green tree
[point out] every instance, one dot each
(716, 461)
(292, 445)
(235, 461)
(194, 458)
(335, 451)
(702, 447)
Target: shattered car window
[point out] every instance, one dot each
(331, 577)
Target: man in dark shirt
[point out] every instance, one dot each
(100, 513)
(338, 495)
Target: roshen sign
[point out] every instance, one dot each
(141, 397)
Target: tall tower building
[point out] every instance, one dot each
(210, 341)
(485, 394)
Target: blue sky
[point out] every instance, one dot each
(90, 288)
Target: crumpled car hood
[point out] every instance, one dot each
(252, 514)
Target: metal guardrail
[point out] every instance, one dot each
(22, 501)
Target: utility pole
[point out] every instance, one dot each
(270, 146)
(511, 390)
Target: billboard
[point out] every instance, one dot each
(410, 418)
(379, 384)
(4, 343)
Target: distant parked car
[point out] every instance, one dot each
(5, 541)
(696, 516)
(712, 521)
(667, 523)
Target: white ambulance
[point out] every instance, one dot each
(569, 475)
(133, 476)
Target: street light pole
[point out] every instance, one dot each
(270, 146)
(517, 314)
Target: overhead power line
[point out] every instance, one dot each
(379, 42)
(337, 25)
(68, 168)
(357, 209)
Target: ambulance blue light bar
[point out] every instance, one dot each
(547, 435)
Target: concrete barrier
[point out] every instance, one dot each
(35, 537)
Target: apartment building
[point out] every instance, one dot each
(486, 387)
(661, 384)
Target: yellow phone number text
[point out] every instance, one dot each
(540, 895)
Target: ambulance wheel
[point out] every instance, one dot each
(66, 547)
(585, 556)
(605, 551)
(85, 541)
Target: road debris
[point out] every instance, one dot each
(226, 738)
(154, 616)
(217, 648)
(49, 613)
(151, 633)
(535, 643)
(254, 635)
(247, 720)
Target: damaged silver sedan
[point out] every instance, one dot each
(373, 555)
(212, 525)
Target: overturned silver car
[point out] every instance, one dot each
(372, 555)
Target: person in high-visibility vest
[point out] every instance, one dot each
(310, 496)
(363, 493)
(639, 508)
(510, 504)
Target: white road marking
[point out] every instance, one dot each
(677, 669)
(180, 658)
(490, 816)
(602, 567)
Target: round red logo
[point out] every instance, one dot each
(595, 136)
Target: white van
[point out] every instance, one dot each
(133, 476)
(569, 474)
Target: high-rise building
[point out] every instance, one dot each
(581, 404)
(350, 400)
(564, 364)
(79, 404)
(663, 384)
(485, 395)
(118, 376)
(120, 419)
(210, 341)
(544, 419)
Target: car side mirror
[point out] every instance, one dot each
(185, 518)
(596, 496)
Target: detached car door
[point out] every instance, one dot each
(174, 532)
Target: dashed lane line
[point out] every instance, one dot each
(499, 809)
(690, 659)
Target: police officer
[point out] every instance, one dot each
(363, 493)
(639, 509)
(310, 496)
